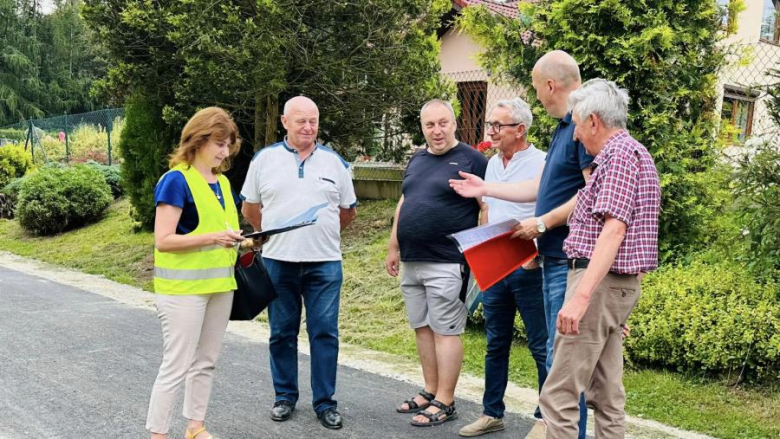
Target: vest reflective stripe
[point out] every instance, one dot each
(206, 273)
(208, 269)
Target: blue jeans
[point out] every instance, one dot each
(520, 290)
(317, 284)
(555, 272)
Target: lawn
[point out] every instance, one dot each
(373, 316)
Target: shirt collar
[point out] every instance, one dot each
(566, 119)
(290, 149)
(609, 146)
(518, 154)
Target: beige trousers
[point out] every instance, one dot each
(192, 328)
(591, 361)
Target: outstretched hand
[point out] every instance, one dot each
(470, 187)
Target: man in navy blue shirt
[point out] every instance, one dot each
(567, 167)
(433, 269)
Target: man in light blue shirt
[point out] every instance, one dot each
(285, 181)
(516, 161)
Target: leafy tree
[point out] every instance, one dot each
(360, 60)
(71, 61)
(47, 62)
(664, 52)
(21, 89)
(369, 64)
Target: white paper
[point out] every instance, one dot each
(472, 237)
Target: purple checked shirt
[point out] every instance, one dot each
(624, 185)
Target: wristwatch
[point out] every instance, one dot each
(540, 227)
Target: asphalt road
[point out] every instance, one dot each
(78, 365)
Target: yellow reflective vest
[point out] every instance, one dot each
(208, 269)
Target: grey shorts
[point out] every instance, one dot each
(432, 293)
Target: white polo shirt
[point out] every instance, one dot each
(287, 187)
(524, 165)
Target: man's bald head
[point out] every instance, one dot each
(299, 103)
(560, 67)
(301, 119)
(554, 76)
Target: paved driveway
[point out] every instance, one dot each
(79, 365)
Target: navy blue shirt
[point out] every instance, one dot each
(561, 179)
(432, 209)
(173, 189)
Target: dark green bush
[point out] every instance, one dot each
(113, 175)
(708, 317)
(8, 198)
(757, 189)
(14, 163)
(144, 146)
(58, 199)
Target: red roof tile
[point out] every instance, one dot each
(506, 8)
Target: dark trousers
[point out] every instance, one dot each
(519, 291)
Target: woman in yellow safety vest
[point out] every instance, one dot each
(195, 236)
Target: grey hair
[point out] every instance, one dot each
(439, 102)
(519, 111)
(602, 98)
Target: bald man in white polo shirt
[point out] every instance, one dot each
(284, 181)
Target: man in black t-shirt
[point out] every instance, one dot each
(433, 267)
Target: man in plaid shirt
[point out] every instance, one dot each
(613, 240)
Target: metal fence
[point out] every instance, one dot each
(75, 138)
(744, 86)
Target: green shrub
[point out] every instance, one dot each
(144, 145)
(17, 135)
(113, 175)
(58, 199)
(9, 195)
(7, 207)
(14, 163)
(757, 189)
(708, 317)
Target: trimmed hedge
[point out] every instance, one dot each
(708, 317)
(14, 163)
(57, 199)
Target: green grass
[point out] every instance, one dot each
(373, 316)
(109, 248)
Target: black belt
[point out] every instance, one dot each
(577, 263)
(582, 263)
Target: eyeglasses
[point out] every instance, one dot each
(497, 126)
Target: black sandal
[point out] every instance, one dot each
(446, 411)
(413, 406)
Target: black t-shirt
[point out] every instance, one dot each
(431, 209)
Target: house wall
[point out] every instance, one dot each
(458, 60)
(750, 59)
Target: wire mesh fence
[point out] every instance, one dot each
(478, 92)
(70, 138)
(745, 84)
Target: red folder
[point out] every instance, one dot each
(495, 258)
